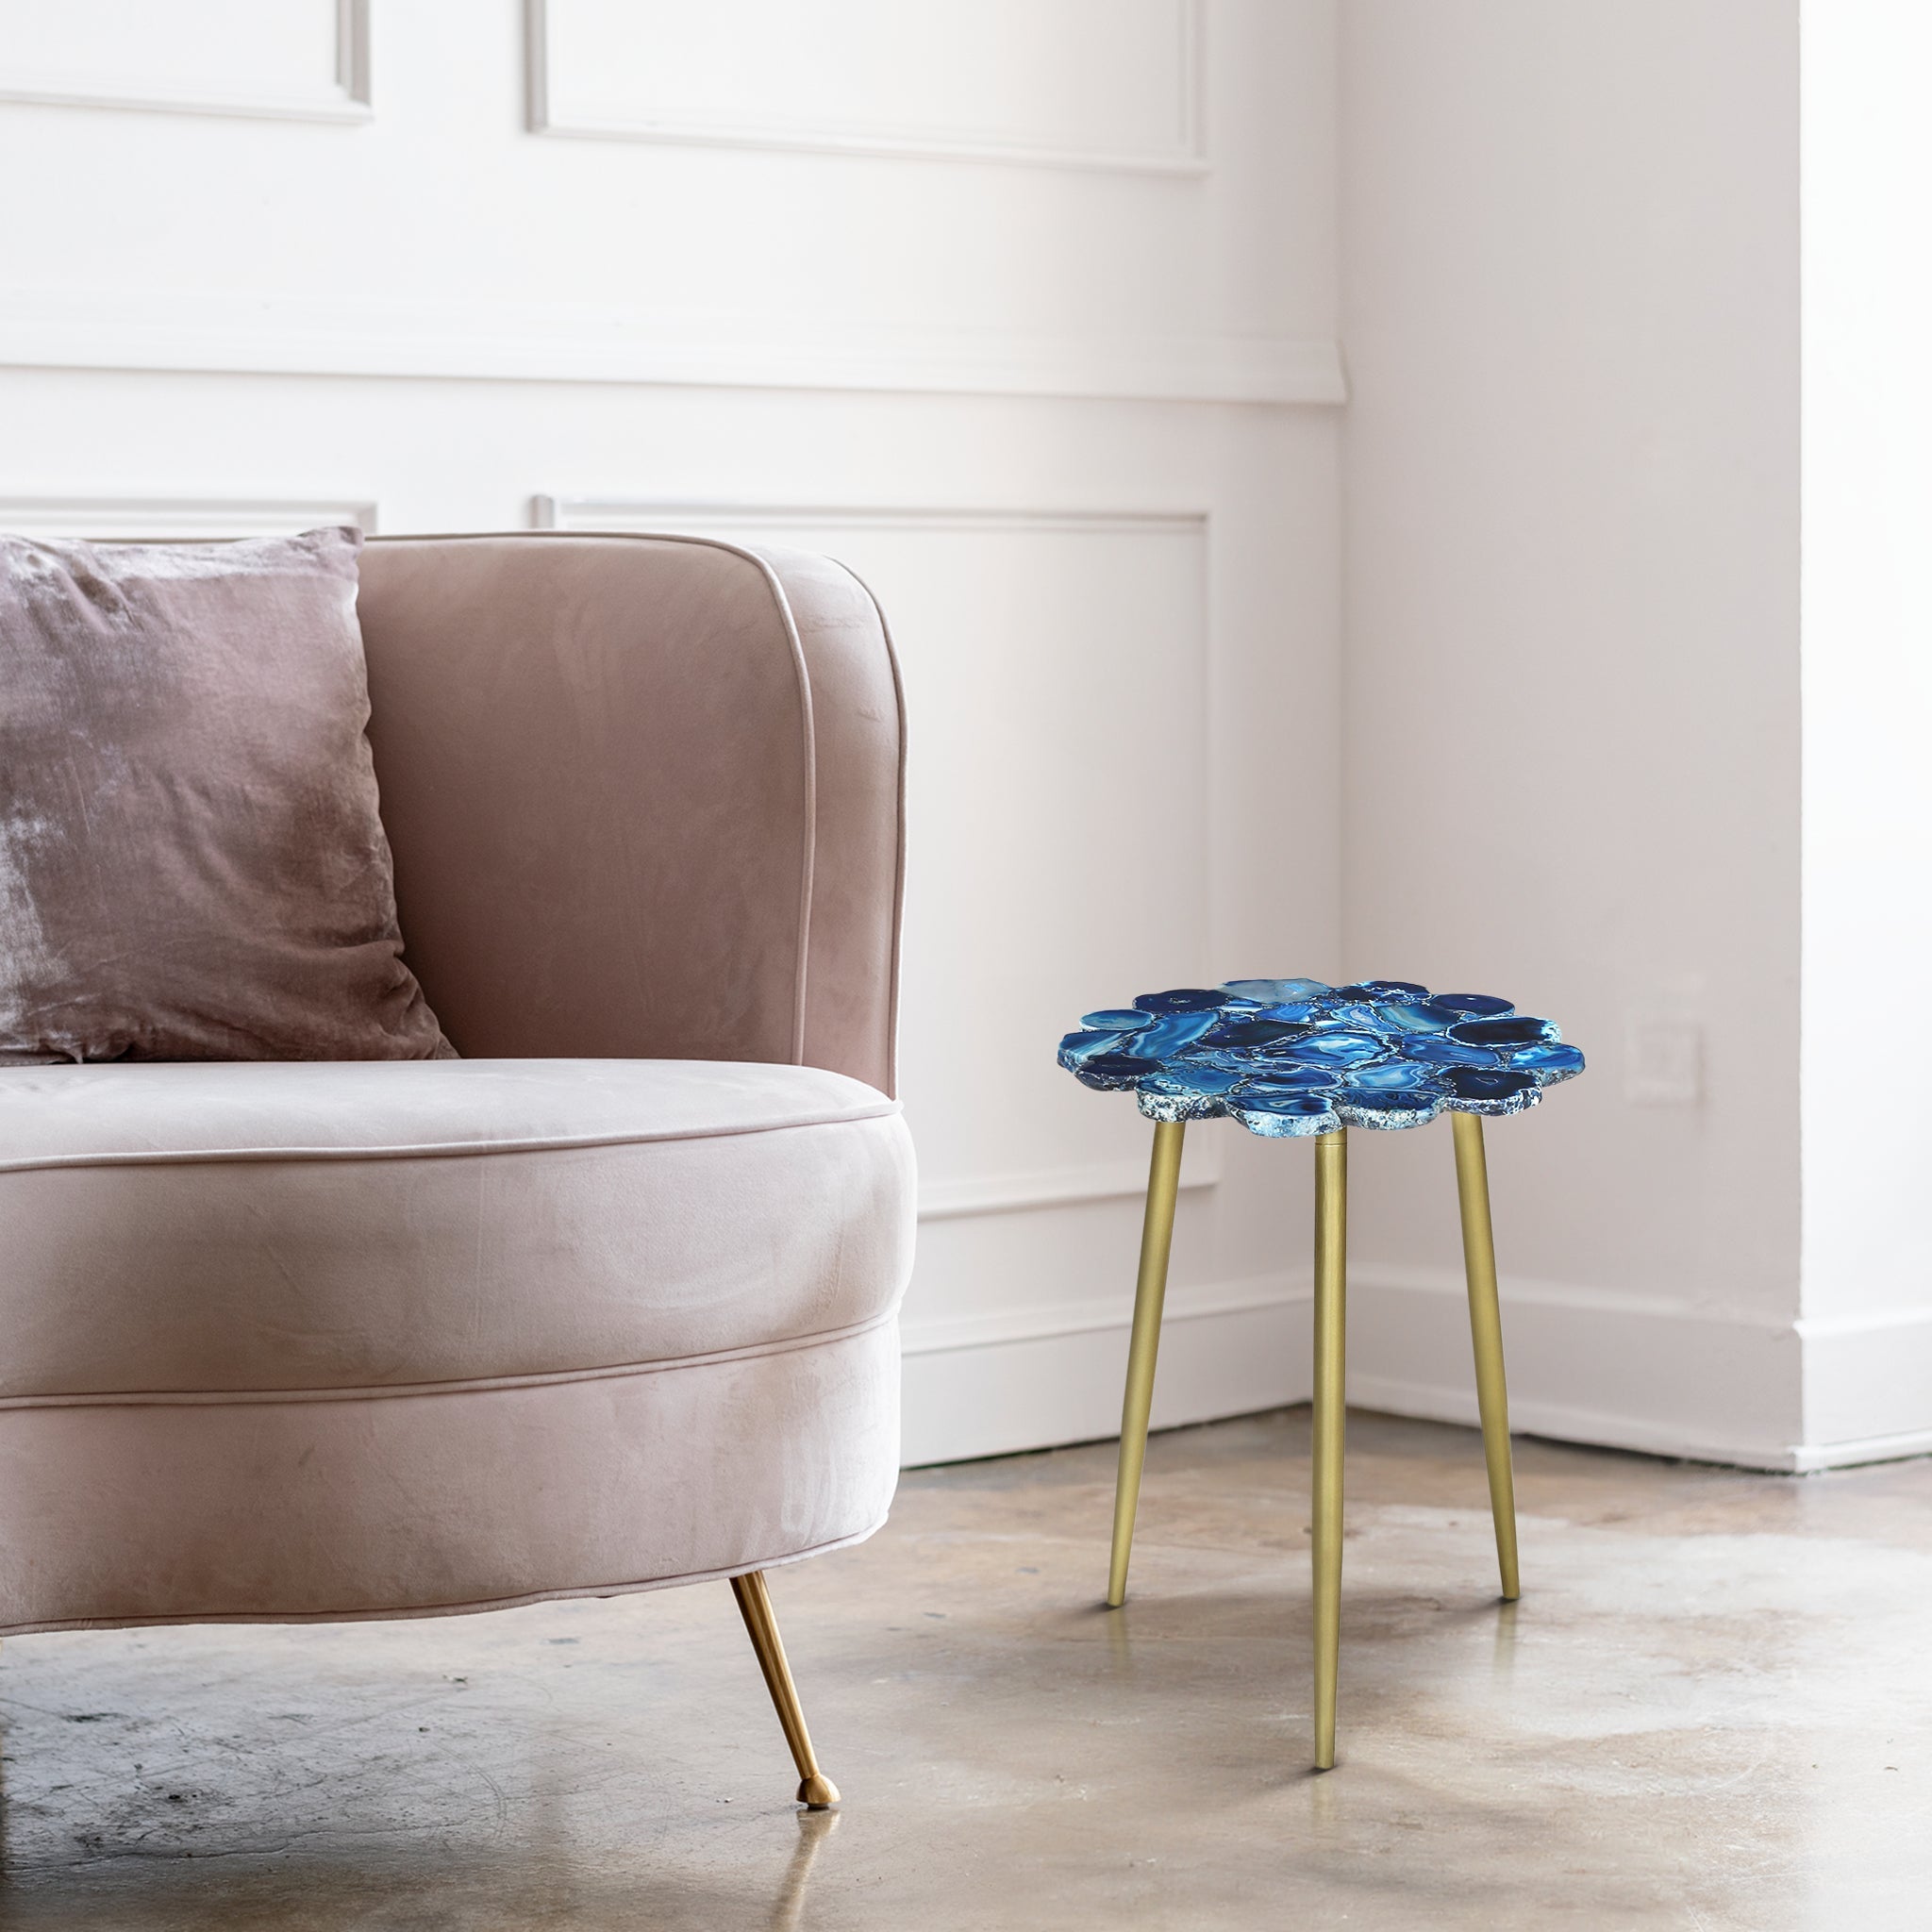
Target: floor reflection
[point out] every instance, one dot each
(814, 1828)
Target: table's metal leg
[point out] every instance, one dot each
(1486, 1336)
(1157, 1238)
(1331, 1274)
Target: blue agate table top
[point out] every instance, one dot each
(1292, 1056)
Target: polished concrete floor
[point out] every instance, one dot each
(1711, 1710)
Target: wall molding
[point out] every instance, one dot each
(240, 335)
(1188, 156)
(347, 98)
(992, 1384)
(548, 512)
(136, 517)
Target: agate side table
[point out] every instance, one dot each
(1302, 1060)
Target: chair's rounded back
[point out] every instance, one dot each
(644, 795)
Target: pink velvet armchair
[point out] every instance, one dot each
(607, 1305)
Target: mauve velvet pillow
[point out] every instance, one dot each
(191, 867)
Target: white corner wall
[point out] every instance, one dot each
(1571, 688)
(1868, 724)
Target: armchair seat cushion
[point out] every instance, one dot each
(305, 1226)
(346, 1339)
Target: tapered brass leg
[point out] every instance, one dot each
(1157, 1238)
(1486, 1334)
(816, 1791)
(1331, 1278)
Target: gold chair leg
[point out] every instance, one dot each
(1486, 1336)
(1157, 1239)
(1331, 1286)
(816, 1791)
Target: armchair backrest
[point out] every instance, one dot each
(645, 795)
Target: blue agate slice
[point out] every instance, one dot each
(1400, 1016)
(1395, 989)
(1182, 999)
(1281, 1115)
(1268, 993)
(1273, 1072)
(1548, 1060)
(1112, 1073)
(1169, 1034)
(1191, 1095)
(1297, 1012)
(1115, 1020)
(1519, 1030)
(1254, 1033)
(1439, 1050)
(1079, 1047)
(1475, 1005)
(1490, 1089)
(1393, 1077)
(1387, 1112)
(1227, 1058)
(1365, 1016)
(1339, 1048)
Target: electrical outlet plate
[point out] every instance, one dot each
(1663, 1065)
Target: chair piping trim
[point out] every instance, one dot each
(442, 1150)
(467, 1608)
(476, 1385)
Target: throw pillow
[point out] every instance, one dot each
(192, 866)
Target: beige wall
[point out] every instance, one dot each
(1572, 687)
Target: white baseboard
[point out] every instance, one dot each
(1650, 1373)
(995, 1384)
(1660, 1377)
(1868, 1389)
(1584, 1366)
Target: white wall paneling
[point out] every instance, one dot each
(299, 59)
(1112, 84)
(962, 301)
(442, 241)
(109, 517)
(355, 334)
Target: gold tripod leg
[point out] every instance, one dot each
(1331, 1279)
(1486, 1334)
(816, 1791)
(1157, 1238)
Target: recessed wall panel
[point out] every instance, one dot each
(1096, 83)
(305, 58)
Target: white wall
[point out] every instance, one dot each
(1571, 705)
(1030, 308)
(1868, 719)
(1045, 343)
